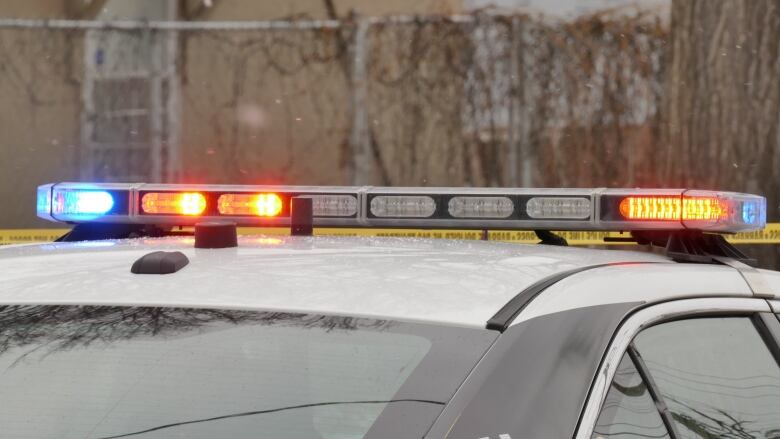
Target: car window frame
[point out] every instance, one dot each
(759, 310)
(653, 394)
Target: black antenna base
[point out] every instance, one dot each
(692, 246)
(549, 238)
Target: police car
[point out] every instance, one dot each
(131, 326)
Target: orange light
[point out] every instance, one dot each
(651, 208)
(171, 203)
(250, 204)
(703, 208)
(673, 208)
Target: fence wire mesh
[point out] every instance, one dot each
(467, 100)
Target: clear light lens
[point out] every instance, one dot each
(334, 205)
(85, 203)
(250, 204)
(729, 211)
(481, 207)
(172, 203)
(403, 206)
(558, 208)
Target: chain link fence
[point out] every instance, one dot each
(480, 99)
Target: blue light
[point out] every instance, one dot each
(82, 203)
(754, 212)
(44, 200)
(749, 212)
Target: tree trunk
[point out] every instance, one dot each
(722, 98)
(722, 101)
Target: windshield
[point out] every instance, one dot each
(111, 372)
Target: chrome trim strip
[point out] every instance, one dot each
(640, 320)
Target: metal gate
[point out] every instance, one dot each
(129, 116)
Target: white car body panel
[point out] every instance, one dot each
(439, 281)
(637, 283)
(772, 280)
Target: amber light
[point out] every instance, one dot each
(703, 208)
(673, 208)
(171, 203)
(250, 204)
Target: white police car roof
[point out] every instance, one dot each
(460, 283)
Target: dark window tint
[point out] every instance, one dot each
(158, 373)
(717, 376)
(629, 410)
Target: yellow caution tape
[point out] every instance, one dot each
(24, 236)
(770, 235)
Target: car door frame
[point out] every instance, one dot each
(659, 313)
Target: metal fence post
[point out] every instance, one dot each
(156, 110)
(359, 137)
(173, 108)
(525, 102)
(512, 126)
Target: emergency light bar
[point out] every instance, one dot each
(367, 206)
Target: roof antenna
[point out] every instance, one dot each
(301, 216)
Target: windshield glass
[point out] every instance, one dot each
(111, 372)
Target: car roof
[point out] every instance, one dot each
(453, 282)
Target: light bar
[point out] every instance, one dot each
(367, 206)
(76, 204)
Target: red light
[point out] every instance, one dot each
(250, 204)
(673, 208)
(171, 203)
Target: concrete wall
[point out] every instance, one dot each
(34, 9)
(242, 119)
(255, 110)
(39, 117)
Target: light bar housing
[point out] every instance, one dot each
(436, 208)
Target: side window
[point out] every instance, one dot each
(629, 410)
(717, 377)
